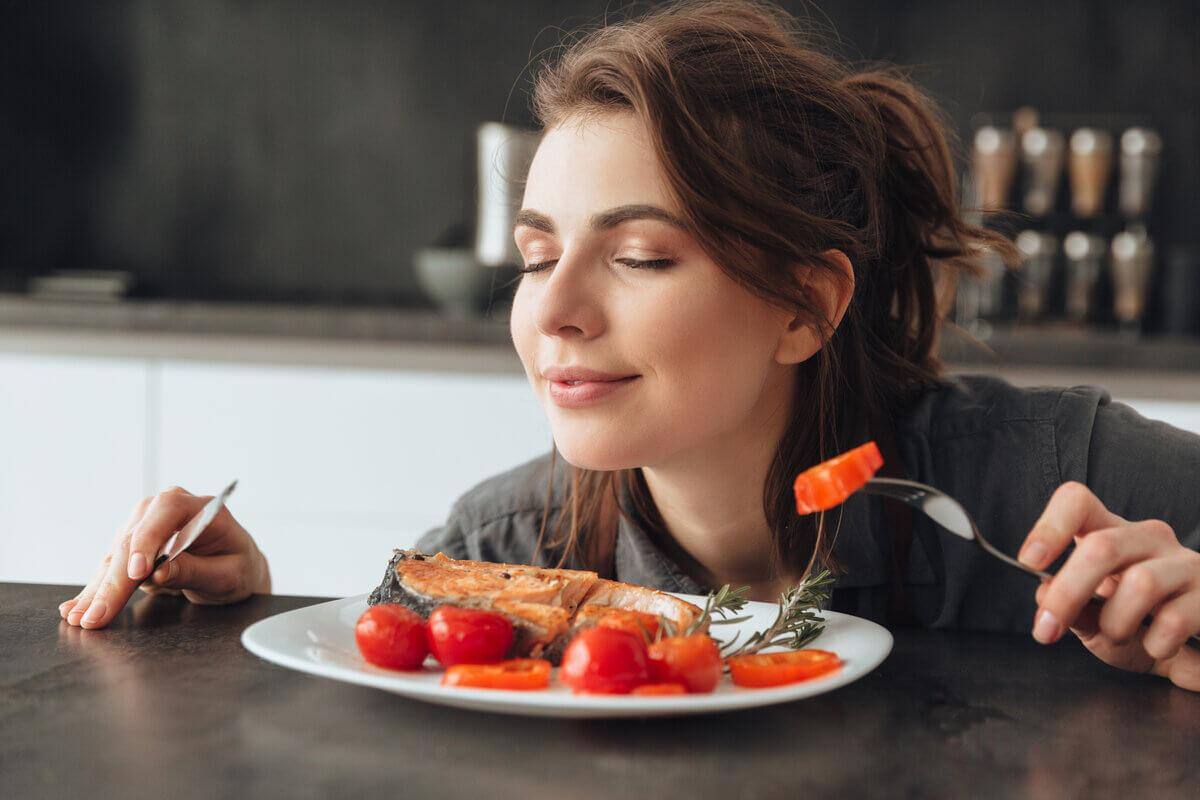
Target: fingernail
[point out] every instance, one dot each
(96, 611)
(1033, 555)
(1047, 629)
(137, 566)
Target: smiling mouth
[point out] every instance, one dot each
(576, 393)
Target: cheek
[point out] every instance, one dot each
(713, 360)
(522, 329)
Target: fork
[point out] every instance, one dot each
(949, 513)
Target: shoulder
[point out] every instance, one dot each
(969, 404)
(988, 422)
(500, 518)
(998, 444)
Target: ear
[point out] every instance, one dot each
(800, 340)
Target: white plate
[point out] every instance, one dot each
(320, 640)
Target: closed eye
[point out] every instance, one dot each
(658, 263)
(632, 263)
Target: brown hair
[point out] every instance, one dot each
(777, 152)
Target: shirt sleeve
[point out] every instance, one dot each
(1140, 468)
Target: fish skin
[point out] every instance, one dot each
(540, 602)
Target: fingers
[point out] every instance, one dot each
(1143, 587)
(1072, 510)
(1174, 622)
(1182, 669)
(218, 575)
(167, 513)
(68, 606)
(81, 601)
(1098, 555)
(205, 579)
(112, 592)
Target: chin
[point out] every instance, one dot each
(598, 453)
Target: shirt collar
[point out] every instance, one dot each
(638, 560)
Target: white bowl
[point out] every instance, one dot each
(454, 280)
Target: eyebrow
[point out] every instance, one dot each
(603, 220)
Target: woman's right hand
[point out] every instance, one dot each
(223, 565)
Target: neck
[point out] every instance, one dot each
(711, 501)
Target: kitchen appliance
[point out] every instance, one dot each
(503, 154)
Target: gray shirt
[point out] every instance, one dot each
(1000, 450)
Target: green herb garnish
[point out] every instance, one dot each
(796, 624)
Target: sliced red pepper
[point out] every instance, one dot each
(829, 483)
(520, 674)
(660, 688)
(776, 669)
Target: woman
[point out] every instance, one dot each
(734, 249)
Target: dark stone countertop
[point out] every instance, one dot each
(167, 703)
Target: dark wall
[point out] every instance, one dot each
(302, 150)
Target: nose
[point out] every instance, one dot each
(570, 302)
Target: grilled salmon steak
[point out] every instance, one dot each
(546, 606)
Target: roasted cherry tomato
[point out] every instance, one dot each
(776, 669)
(660, 688)
(467, 636)
(638, 622)
(392, 636)
(521, 674)
(693, 661)
(605, 661)
(829, 483)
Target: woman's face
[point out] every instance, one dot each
(687, 356)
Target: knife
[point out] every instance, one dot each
(183, 538)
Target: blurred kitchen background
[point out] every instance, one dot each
(268, 241)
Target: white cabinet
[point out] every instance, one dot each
(336, 467)
(72, 461)
(1180, 414)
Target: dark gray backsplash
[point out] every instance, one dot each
(302, 150)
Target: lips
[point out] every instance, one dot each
(572, 387)
(581, 375)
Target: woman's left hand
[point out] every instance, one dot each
(1139, 567)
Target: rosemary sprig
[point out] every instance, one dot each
(723, 601)
(797, 622)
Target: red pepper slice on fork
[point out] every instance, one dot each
(829, 483)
